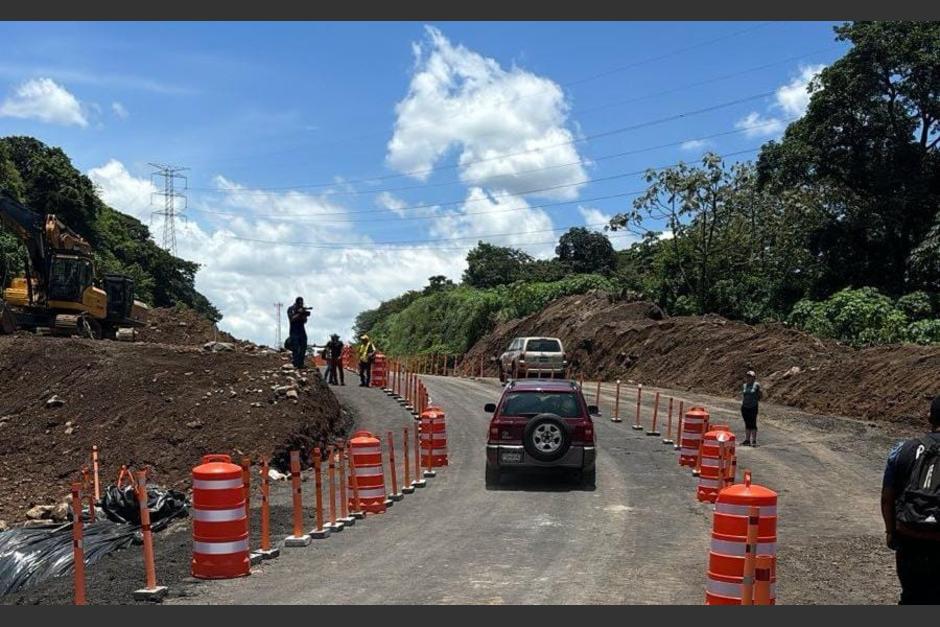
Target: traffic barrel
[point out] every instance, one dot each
(717, 453)
(694, 426)
(728, 554)
(434, 436)
(220, 527)
(368, 476)
(379, 371)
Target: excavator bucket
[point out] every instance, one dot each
(7, 319)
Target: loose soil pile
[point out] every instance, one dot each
(610, 339)
(181, 326)
(155, 405)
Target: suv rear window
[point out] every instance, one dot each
(544, 346)
(564, 404)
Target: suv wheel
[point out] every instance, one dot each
(492, 476)
(547, 437)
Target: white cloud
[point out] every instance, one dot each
(123, 191)
(508, 125)
(243, 278)
(391, 202)
(119, 110)
(694, 144)
(755, 125)
(45, 100)
(484, 214)
(791, 100)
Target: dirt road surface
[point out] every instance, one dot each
(640, 537)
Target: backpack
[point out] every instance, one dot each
(918, 506)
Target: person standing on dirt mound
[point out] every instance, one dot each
(297, 314)
(334, 353)
(750, 401)
(910, 507)
(366, 353)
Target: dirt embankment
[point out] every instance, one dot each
(186, 327)
(156, 405)
(609, 339)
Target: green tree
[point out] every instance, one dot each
(869, 140)
(586, 252)
(489, 265)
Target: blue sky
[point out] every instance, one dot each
(313, 146)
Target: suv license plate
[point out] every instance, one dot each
(511, 457)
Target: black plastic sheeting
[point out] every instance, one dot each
(30, 555)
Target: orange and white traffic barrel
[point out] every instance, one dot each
(729, 546)
(434, 435)
(379, 371)
(220, 526)
(694, 426)
(368, 476)
(717, 455)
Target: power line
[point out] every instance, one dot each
(577, 140)
(387, 249)
(317, 217)
(666, 55)
(170, 174)
(571, 83)
(390, 244)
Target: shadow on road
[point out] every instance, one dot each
(547, 480)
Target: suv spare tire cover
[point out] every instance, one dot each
(535, 444)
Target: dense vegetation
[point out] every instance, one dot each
(43, 179)
(835, 228)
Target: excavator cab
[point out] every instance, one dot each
(69, 277)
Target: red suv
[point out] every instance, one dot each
(538, 424)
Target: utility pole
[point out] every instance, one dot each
(277, 316)
(170, 174)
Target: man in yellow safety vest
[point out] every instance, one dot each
(365, 350)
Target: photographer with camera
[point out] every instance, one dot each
(298, 315)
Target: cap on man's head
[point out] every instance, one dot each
(751, 373)
(299, 299)
(363, 337)
(335, 336)
(935, 411)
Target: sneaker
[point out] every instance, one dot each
(745, 443)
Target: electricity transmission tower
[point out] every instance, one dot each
(277, 315)
(174, 200)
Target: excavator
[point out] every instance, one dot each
(59, 294)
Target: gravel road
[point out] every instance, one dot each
(640, 537)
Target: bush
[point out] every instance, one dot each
(924, 332)
(452, 320)
(917, 305)
(866, 317)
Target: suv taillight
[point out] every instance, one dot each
(584, 431)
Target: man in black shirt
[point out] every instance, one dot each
(916, 543)
(334, 354)
(298, 315)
